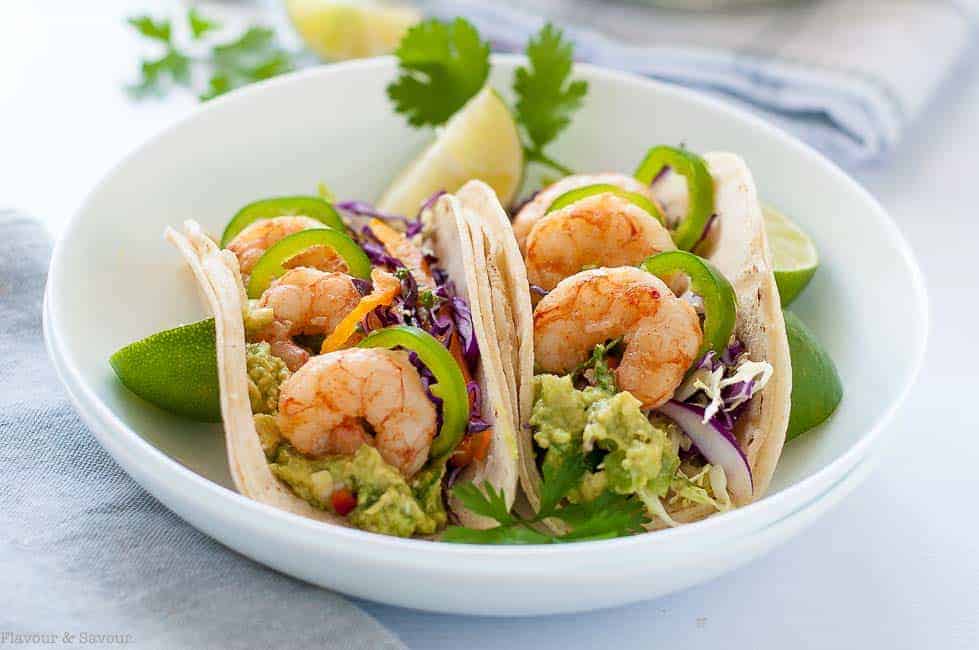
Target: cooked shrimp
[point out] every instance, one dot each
(601, 230)
(661, 333)
(310, 301)
(251, 243)
(305, 301)
(537, 208)
(324, 406)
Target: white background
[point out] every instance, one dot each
(895, 566)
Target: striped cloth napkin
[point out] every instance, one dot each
(847, 76)
(87, 557)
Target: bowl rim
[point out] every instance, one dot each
(127, 446)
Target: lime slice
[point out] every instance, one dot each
(176, 369)
(480, 141)
(337, 30)
(793, 253)
(816, 386)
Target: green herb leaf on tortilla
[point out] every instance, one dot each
(486, 501)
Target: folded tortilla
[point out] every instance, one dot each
(220, 281)
(736, 245)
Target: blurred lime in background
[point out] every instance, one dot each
(337, 30)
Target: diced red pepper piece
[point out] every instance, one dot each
(343, 501)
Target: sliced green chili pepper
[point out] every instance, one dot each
(720, 301)
(283, 206)
(700, 187)
(450, 385)
(271, 264)
(573, 196)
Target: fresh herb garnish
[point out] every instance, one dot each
(609, 515)
(596, 369)
(443, 65)
(546, 97)
(253, 56)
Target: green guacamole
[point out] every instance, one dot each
(266, 372)
(638, 454)
(386, 502)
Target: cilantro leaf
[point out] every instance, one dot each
(510, 534)
(157, 30)
(545, 96)
(253, 56)
(558, 482)
(488, 501)
(608, 515)
(155, 74)
(442, 66)
(601, 375)
(199, 25)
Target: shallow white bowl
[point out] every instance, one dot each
(114, 280)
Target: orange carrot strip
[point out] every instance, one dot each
(386, 288)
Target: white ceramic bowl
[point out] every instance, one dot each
(114, 280)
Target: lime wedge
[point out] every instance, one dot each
(479, 142)
(337, 30)
(176, 369)
(816, 386)
(793, 253)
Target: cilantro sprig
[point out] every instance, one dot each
(210, 70)
(546, 96)
(442, 65)
(609, 515)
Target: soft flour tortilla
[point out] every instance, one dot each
(511, 298)
(218, 276)
(220, 282)
(452, 242)
(738, 246)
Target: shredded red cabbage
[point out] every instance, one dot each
(363, 286)
(464, 326)
(726, 417)
(412, 226)
(733, 353)
(476, 422)
(364, 209)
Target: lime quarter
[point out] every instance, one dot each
(479, 142)
(793, 254)
(816, 386)
(176, 370)
(337, 30)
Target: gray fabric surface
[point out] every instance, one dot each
(847, 76)
(85, 550)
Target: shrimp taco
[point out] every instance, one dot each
(359, 377)
(652, 358)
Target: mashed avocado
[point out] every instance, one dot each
(268, 433)
(266, 372)
(559, 415)
(638, 454)
(386, 502)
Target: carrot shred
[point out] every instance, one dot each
(386, 288)
(400, 247)
(473, 447)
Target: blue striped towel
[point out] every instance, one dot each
(847, 76)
